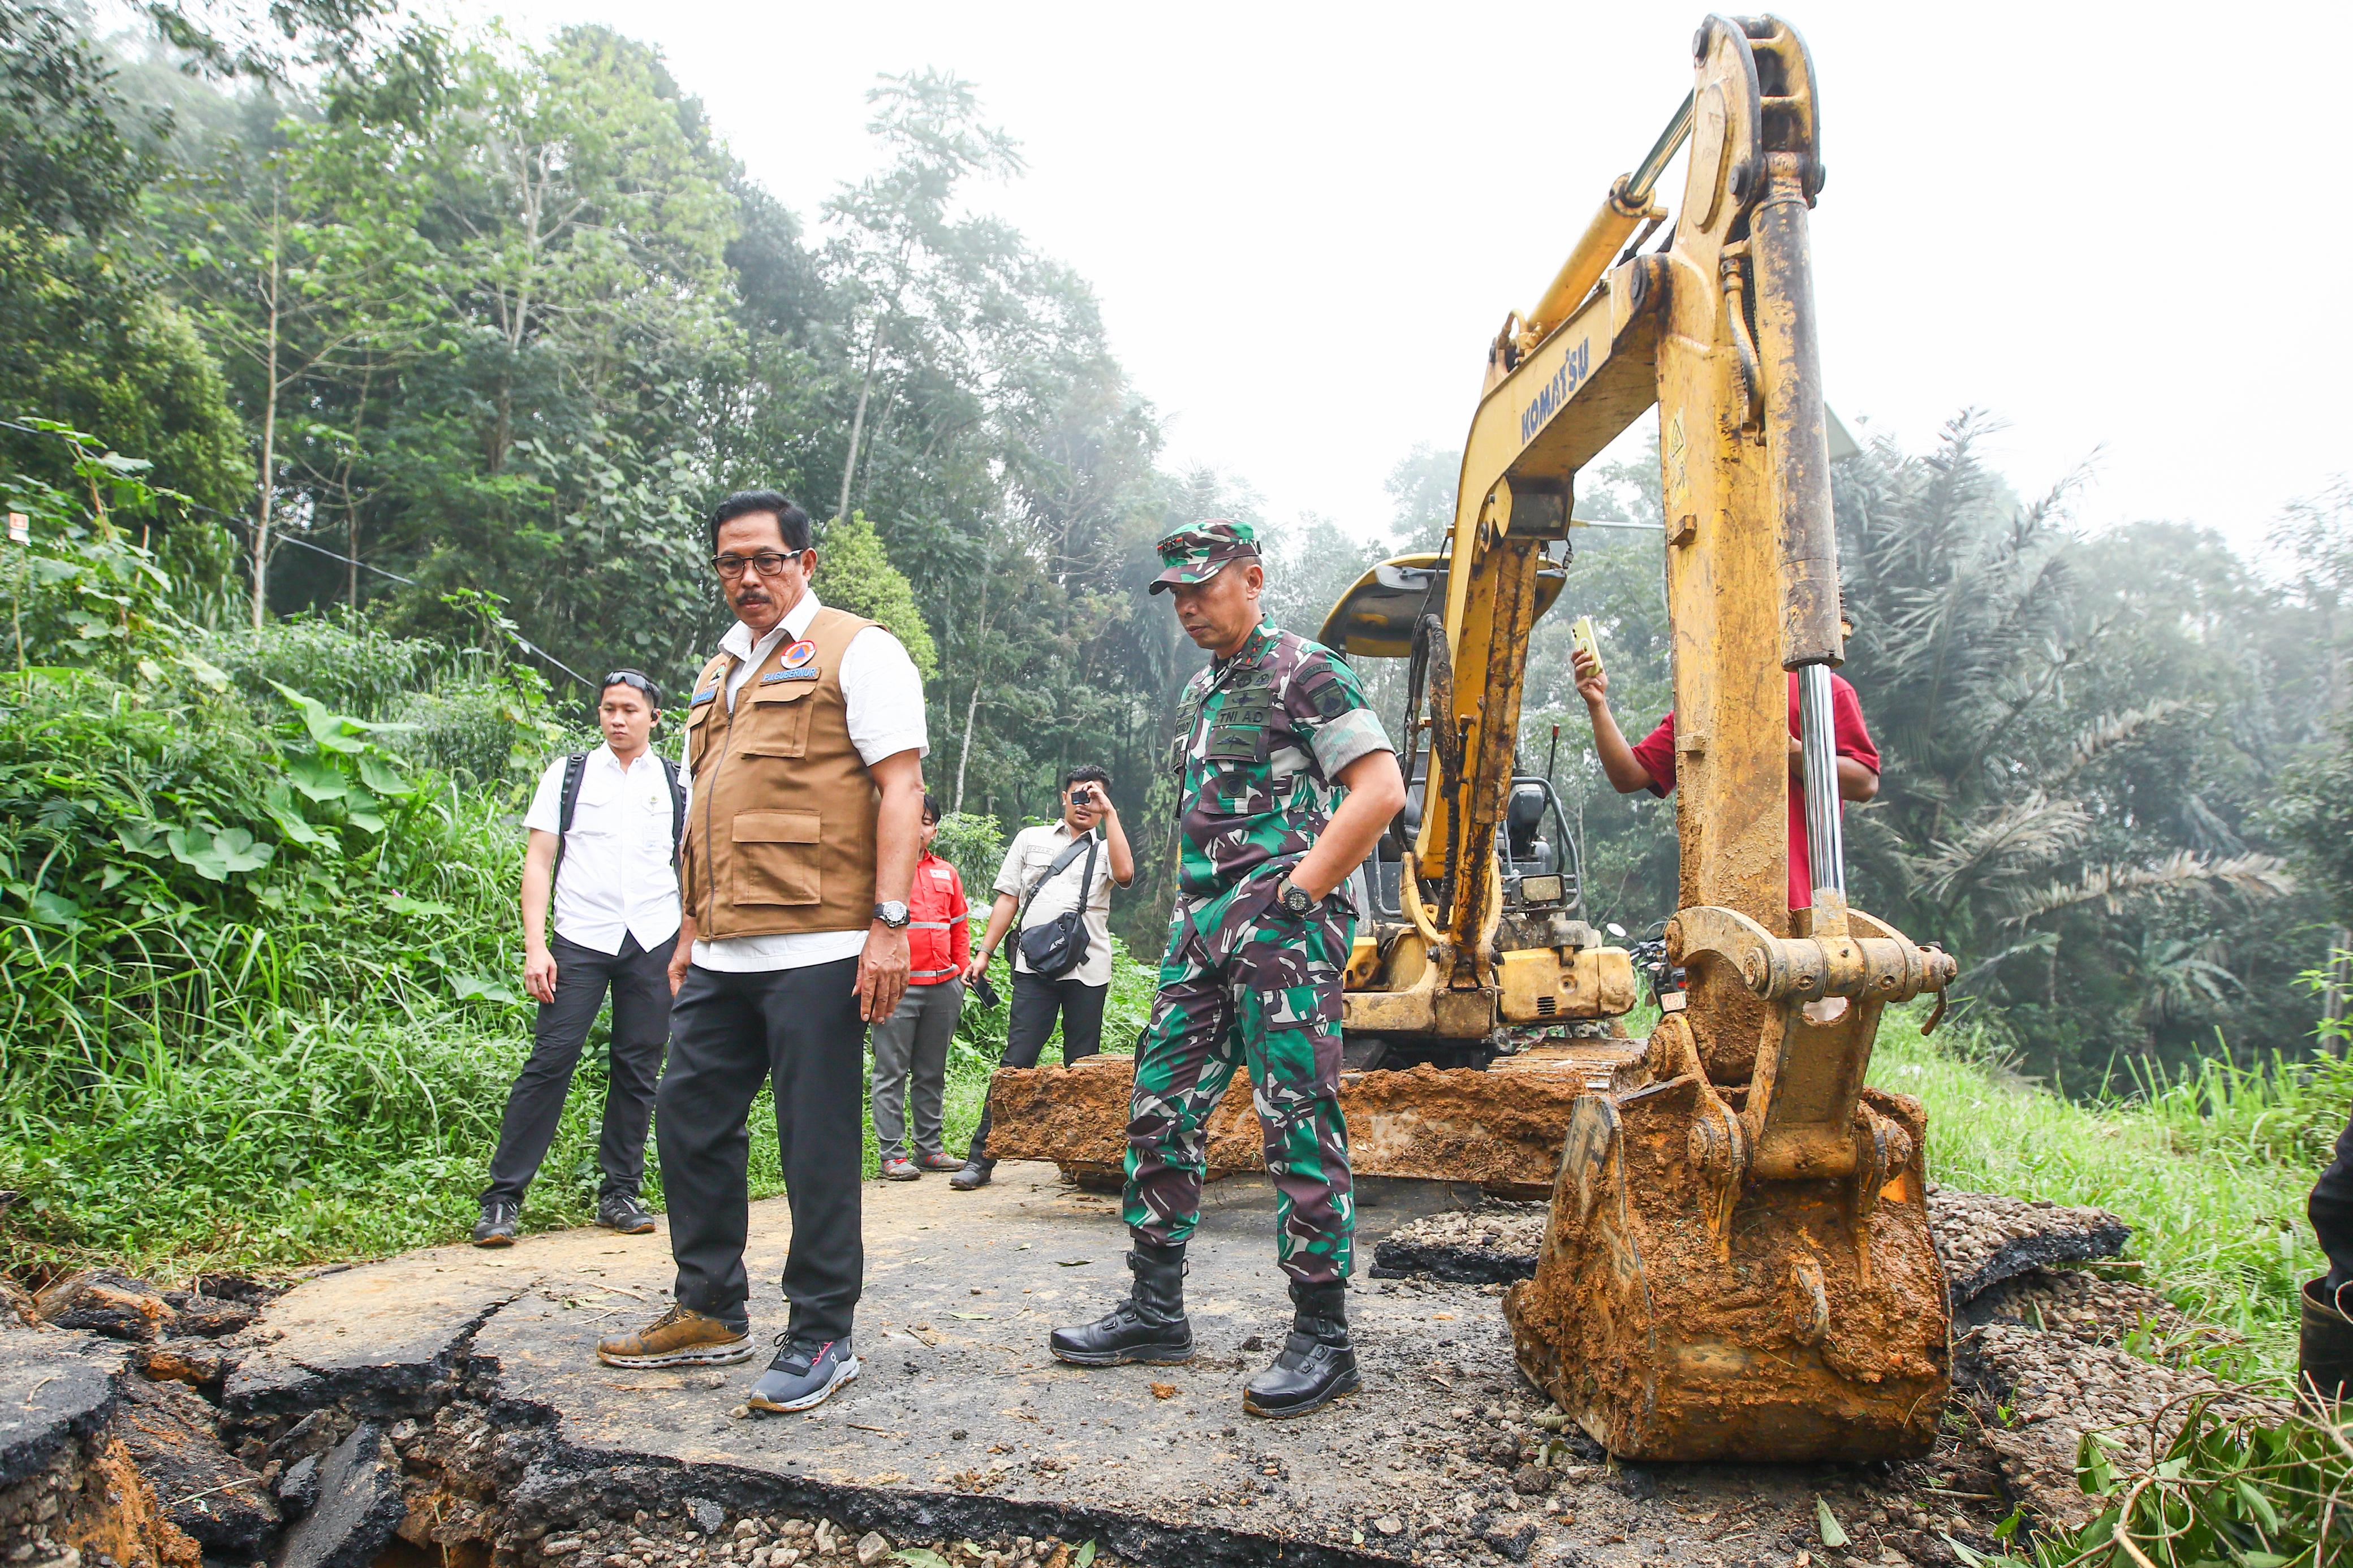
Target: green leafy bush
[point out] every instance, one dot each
(2236, 1490)
(347, 663)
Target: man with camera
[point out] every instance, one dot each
(1054, 892)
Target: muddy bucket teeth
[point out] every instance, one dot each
(1777, 1338)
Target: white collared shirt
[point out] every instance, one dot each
(1027, 860)
(617, 879)
(882, 692)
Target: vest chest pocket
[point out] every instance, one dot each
(776, 720)
(776, 858)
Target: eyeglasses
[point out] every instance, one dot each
(768, 564)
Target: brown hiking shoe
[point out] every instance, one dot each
(679, 1337)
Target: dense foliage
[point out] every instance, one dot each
(431, 350)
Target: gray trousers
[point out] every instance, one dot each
(913, 1041)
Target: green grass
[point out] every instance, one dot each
(2216, 1204)
(257, 1008)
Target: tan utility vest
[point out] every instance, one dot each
(780, 832)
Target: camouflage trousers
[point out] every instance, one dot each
(1261, 988)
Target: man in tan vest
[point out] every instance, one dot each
(804, 751)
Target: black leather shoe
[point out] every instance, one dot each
(975, 1174)
(497, 1225)
(1149, 1326)
(2324, 1360)
(1316, 1366)
(624, 1213)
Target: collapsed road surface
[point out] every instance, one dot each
(451, 1397)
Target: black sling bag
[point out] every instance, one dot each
(1054, 949)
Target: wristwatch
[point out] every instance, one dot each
(891, 913)
(1295, 899)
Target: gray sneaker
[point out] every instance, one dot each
(497, 1225)
(624, 1213)
(803, 1375)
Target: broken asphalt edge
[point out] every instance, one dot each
(89, 1409)
(563, 1481)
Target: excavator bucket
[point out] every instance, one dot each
(1807, 1331)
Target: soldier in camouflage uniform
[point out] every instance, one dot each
(1285, 780)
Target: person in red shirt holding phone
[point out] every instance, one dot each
(912, 1042)
(1650, 763)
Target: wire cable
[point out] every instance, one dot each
(520, 640)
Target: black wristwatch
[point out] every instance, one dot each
(891, 913)
(1295, 899)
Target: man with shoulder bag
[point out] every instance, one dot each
(1054, 890)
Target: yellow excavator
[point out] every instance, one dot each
(1737, 1262)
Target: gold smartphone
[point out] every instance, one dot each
(1581, 634)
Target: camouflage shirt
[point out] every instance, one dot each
(1260, 740)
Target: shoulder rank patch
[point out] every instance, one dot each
(1326, 693)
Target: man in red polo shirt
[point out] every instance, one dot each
(1650, 764)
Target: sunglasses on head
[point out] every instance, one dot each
(633, 680)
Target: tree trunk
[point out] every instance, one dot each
(972, 704)
(858, 419)
(269, 437)
(351, 507)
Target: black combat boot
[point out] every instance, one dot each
(1317, 1364)
(2324, 1361)
(1149, 1326)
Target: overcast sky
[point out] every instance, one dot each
(1304, 222)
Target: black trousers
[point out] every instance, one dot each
(2331, 1211)
(640, 981)
(797, 1030)
(1036, 1003)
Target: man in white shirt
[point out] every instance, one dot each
(804, 746)
(609, 852)
(1049, 865)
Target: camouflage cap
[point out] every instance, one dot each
(1196, 553)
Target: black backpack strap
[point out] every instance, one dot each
(677, 807)
(576, 767)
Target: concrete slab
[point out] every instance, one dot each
(962, 1418)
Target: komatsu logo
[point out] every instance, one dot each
(1554, 393)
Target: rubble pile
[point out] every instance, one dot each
(2087, 1308)
(1494, 1244)
(1985, 1239)
(2051, 1389)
